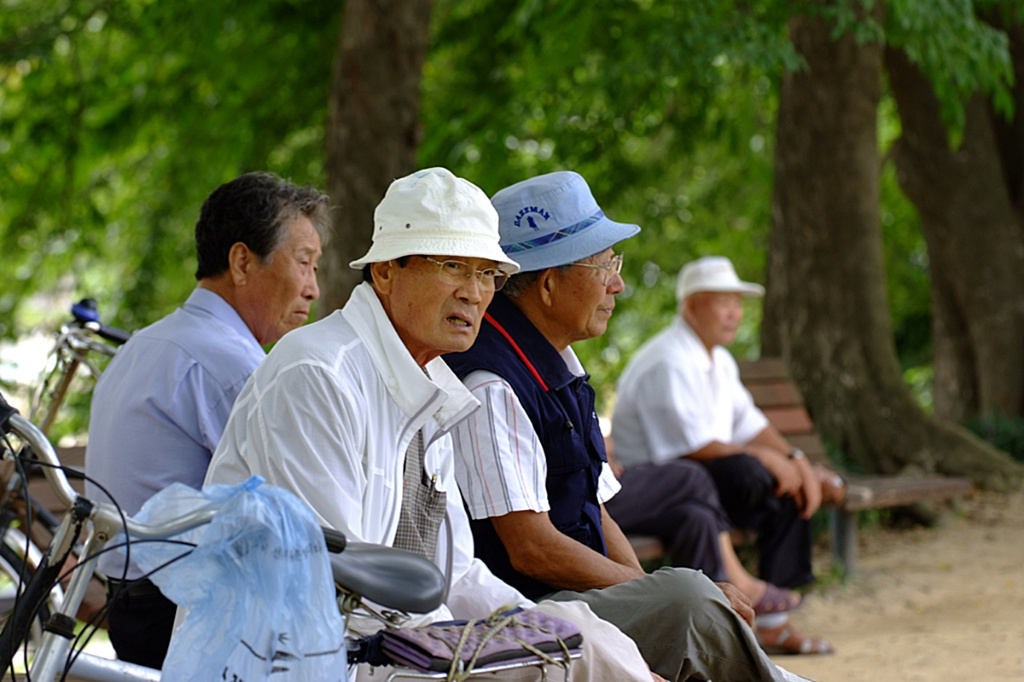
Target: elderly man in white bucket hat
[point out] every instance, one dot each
(532, 463)
(353, 413)
(682, 417)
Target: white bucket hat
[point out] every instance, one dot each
(713, 273)
(554, 220)
(432, 212)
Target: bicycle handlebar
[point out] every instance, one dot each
(86, 315)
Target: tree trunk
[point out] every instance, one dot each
(826, 310)
(373, 126)
(975, 238)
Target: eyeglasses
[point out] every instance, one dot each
(455, 272)
(611, 268)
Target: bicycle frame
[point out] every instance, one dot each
(105, 520)
(75, 341)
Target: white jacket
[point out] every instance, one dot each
(329, 415)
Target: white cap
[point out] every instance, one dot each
(713, 273)
(432, 212)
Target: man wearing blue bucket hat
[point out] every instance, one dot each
(531, 464)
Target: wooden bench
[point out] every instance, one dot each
(775, 393)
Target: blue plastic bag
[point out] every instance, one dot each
(258, 587)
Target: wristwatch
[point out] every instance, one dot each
(796, 453)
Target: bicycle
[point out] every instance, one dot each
(399, 583)
(77, 339)
(396, 581)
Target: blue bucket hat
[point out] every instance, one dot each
(554, 220)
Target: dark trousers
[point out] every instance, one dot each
(678, 502)
(747, 492)
(141, 620)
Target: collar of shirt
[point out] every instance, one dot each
(691, 344)
(411, 388)
(556, 369)
(205, 301)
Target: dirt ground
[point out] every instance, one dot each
(943, 603)
(927, 604)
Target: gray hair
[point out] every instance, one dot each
(254, 209)
(518, 283)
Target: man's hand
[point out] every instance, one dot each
(739, 602)
(810, 487)
(786, 472)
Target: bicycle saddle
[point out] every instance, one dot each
(393, 578)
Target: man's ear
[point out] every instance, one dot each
(687, 307)
(241, 261)
(383, 274)
(547, 283)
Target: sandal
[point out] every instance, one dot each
(786, 640)
(777, 600)
(833, 487)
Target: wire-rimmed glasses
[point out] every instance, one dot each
(456, 272)
(611, 268)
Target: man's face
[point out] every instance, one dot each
(585, 300)
(431, 314)
(280, 291)
(715, 316)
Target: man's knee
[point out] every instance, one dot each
(685, 589)
(742, 480)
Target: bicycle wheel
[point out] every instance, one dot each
(13, 574)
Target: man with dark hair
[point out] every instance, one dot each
(161, 405)
(531, 463)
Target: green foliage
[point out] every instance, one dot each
(1005, 433)
(957, 50)
(906, 256)
(919, 379)
(672, 131)
(117, 119)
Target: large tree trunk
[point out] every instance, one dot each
(373, 127)
(975, 237)
(826, 311)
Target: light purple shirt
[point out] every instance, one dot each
(160, 407)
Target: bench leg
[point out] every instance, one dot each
(844, 539)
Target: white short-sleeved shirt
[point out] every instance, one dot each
(674, 398)
(500, 463)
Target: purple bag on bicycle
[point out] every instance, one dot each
(504, 637)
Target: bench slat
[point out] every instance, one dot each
(778, 393)
(789, 420)
(765, 369)
(880, 492)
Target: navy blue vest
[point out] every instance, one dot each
(561, 409)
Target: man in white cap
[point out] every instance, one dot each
(681, 414)
(353, 413)
(531, 464)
